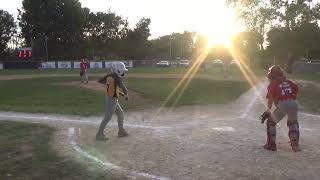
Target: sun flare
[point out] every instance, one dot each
(218, 23)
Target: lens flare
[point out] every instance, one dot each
(183, 83)
(249, 75)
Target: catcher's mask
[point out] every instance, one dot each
(275, 72)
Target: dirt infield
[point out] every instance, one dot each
(191, 142)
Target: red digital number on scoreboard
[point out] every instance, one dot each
(25, 52)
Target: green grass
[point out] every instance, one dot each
(41, 95)
(307, 76)
(197, 92)
(309, 97)
(25, 153)
(157, 70)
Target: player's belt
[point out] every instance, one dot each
(289, 99)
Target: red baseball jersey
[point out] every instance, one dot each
(83, 66)
(280, 90)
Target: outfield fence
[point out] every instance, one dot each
(60, 64)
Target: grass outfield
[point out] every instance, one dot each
(216, 72)
(197, 92)
(309, 97)
(25, 153)
(307, 76)
(157, 70)
(43, 95)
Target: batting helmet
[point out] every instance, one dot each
(275, 72)
(119, 68)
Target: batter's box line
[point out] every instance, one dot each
(109, 165)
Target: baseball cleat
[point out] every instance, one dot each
(101, 137)
(272, 147)
(122, 133)
(295, 148)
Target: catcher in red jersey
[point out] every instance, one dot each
(282, 92)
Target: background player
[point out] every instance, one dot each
(83, 70)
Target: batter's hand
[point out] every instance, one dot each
(126, 97)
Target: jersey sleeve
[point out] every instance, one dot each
(121, 85)
(270, 91)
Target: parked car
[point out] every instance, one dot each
(184, 63)
(163, 63)
(235, 62)
(217, 62)
(213, 63)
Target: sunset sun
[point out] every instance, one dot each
(218, 24)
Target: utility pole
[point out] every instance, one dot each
(181, 48)
(46, 46)
(170, 47)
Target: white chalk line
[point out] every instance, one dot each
(249, 107)
(45, 118)
(251, 103)
(76, 147)
(224, 129)
(55, 119)
(312, 115)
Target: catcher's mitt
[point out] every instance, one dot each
(266, 115)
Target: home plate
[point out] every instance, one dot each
(224, 128)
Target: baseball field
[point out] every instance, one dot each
(205, 126)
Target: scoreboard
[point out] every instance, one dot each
(25, 53)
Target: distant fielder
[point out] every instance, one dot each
(113, 93)
(282, 93)
(83, 70)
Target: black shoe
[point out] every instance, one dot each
(101, 137)
(272, 147)
(122, 133)
(295, 148)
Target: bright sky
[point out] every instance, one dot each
(210, 17)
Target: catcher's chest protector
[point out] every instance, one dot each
(112, 87)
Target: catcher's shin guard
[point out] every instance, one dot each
(294, 133)
(271, 135)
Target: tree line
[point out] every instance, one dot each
(275, 29)
(283, 29)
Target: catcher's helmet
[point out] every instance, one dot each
(119, 68)
(275, 72)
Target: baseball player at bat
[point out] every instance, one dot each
(282, 92)
(113, 84)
